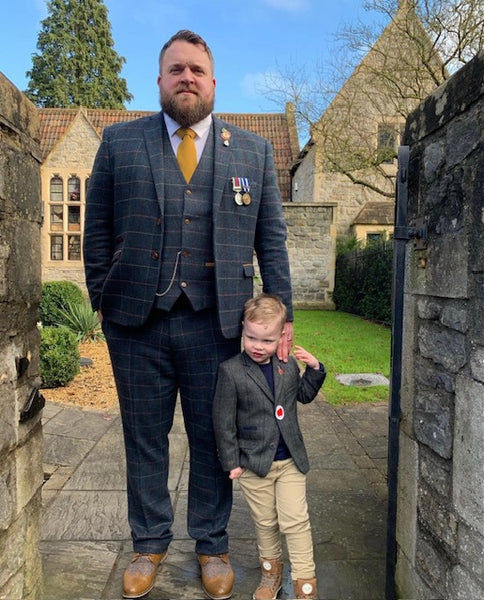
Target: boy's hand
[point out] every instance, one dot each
(301, 354)
(236, 473)
(285, 343)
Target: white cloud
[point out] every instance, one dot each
(254, 84)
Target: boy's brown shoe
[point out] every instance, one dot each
(271, 579)
(306, 588)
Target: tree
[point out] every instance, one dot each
(77, 64)
(356, 121)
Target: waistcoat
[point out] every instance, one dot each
(187, 257)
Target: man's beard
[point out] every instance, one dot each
(187, 116)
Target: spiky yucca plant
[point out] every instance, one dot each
(80, 318)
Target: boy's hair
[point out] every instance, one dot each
(264, 308)
(185, 35)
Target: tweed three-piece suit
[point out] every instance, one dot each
(170, 265)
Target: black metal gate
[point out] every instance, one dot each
(402, 234)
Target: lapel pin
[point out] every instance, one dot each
(225, 135)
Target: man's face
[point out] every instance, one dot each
(186, 82)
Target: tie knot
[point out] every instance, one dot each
(182, 132)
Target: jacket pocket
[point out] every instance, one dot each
(249, 270)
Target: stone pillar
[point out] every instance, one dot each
(440, 516)
(21, 473)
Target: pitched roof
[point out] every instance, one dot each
(376, 213)
(278, 128)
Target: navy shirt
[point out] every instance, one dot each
(282, 452)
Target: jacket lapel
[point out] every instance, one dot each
(278, 368)
(222, 159)
(255, 373)
(154, 132)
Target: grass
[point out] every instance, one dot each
(345, 344)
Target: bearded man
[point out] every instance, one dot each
(177, 204)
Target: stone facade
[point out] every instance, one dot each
(21, 473)
(440, 522)
(348, 136)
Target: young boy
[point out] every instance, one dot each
(260, 443)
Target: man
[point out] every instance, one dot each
(169, 265)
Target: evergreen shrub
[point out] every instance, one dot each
(55, 300)
(363, 282)
(59, 356)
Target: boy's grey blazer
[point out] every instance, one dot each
(246, 428)
(124, 224)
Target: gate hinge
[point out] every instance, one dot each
(416, 232)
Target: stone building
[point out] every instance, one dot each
(349, 162)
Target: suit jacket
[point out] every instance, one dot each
(124, 225)
(244, 412)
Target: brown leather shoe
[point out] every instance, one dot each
(217, 576)
(139, 576)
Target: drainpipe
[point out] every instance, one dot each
(400, 240)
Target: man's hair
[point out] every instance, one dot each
(186, 35)
(265, 308)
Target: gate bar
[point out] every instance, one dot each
(396, 367)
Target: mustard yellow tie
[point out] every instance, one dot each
(187, 153)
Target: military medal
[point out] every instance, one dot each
(246, 199)
(279, 412)
(237, 188)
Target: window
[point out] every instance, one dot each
(74, 247)
(56, 217)
(387, 143)
(56, 247)
(65, 217)
(74, 189)
(374, 237)
(56, 185)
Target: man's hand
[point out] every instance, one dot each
(285, 343)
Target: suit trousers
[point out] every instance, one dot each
(173, 352)
(278, 505)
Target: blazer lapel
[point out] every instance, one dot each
(255, 373)
(278, 373)
(154, 132)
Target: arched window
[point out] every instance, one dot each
(65, 213)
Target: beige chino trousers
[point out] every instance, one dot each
(278, 506)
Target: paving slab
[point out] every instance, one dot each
(77, 570)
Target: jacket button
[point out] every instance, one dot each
(187, 221)
(158, 221)
(155, 255)
(184, 284)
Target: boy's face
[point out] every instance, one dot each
(261, 340)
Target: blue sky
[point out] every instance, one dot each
(249, 39)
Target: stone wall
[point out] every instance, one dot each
(21, 471)
(440, 520)
(311, 245)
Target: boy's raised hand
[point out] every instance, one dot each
(306, 357)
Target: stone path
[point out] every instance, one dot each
(85, 538)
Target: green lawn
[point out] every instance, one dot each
(345, 344)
